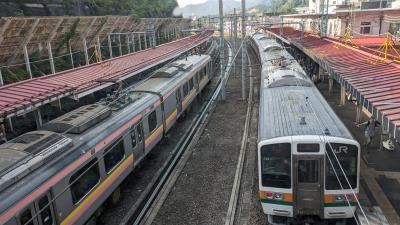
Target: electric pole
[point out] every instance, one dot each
(221, 48)
(244, 49)
(235, 37)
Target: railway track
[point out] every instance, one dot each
(147, 206)
(234, 214)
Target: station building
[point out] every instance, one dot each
(366, 18)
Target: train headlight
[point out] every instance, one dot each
(339, 198)
(269, 195)
(342, 198)
(278, 196)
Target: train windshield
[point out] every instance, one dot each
(275, 165)
(347, 156)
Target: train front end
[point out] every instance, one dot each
(300, 178)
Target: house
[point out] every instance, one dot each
(366, 18)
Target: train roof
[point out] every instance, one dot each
(84, 127)
(294, 110)
(290, 104)
(172, 72)
(26, 146)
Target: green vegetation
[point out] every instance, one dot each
(19, 13)
(136, 8)
(278, 6)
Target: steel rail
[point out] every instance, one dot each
(139, 212)
(231, 213)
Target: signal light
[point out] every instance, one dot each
(349, 197)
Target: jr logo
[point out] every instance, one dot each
(340, 150)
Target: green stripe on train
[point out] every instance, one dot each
(335, 204)
(277, 202)
(339, 204)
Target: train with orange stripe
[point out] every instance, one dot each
(64, 172)
(308, 161)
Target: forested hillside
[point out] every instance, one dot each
(137, 8)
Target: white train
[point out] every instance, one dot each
(300, 142)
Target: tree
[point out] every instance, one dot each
(137, 8)
(288, 7)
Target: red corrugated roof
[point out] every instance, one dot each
(25, 94)
(377, 87)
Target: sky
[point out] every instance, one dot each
(183, 3)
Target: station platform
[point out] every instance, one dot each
(25, 96)
(372, 80)
(373, 87)
(380, 168)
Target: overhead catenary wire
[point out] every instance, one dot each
(327, 141)
(324, 139)
(343, 172)
(340, 165)
(330, 161)
(337, 160)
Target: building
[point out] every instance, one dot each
(366, 18)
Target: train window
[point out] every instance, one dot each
(308, 171)
(26, 217)
(276, 165)
(45, 212)
(140, 132)
(308, 148)
(114, 155)
(133, 137)
(348, 158)
(84, 180)
(185, 89)
(191, 84)
(152, 119)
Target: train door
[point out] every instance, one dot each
(140, 144)
(178, 100)
(45, 211)
(308, 185)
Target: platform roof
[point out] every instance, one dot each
(21, 97)
(376, 87)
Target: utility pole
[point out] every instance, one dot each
(234, 38)
(221, 48)
(324, 18)
(244, 48)
(151, 33)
